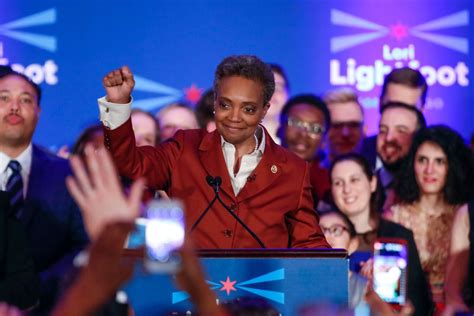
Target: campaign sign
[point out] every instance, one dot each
(173, 48)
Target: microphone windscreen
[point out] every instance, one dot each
(210, 180)
(218, 181)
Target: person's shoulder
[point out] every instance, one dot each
(282, 153)
(190, 135)
(289, 158)
(44, 154)
(394, 212)
(464, 214)
(388, 228)
(316, 167)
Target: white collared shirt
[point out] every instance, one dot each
(248, 162)
(113, 115)
(24, 159)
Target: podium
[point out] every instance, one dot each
(289, 279)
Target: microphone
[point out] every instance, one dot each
(216, 183)
(212, 182)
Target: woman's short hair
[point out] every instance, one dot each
(249, 67)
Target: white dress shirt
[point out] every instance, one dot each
(248, 162)
(24, 159)
(113, 115)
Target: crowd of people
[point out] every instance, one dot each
(411, 181)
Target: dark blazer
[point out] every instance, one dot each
(369, 150)
(418, 290)
(52, 221)
(19, 282)
(276, 202)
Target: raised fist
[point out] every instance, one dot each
(118, 85)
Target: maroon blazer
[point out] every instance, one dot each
(276, 201)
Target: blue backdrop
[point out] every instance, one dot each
(174, 46)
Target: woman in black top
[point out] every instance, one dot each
(355, 193)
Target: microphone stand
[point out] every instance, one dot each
(217, 183)
(211, 181)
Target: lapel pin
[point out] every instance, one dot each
(274, 169)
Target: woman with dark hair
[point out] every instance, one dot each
(239, 160)
(437, 179)
(355, 192)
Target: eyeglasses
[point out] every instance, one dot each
(351, 125)
(335, 230)
(314, 130)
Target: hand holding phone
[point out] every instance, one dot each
(164, 235)
(390, 264)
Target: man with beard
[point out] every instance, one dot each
(398, 124)
(403, 85)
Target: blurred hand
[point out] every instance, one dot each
(8, 310)
(99, 194)
(367, 269)
(64, 152)
(118, 85)
(191, 279)
(380, 307)
(106, 271)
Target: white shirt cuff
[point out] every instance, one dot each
(112, 115)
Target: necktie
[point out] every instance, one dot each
(15, 188)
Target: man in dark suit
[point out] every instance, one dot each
(19, 282)
(264, 184)
(36, 182)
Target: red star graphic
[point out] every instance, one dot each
(399, 31)
(228, 286)
(193, 94)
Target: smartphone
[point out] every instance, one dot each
(390, 264)
(164, 235)
(136, 239)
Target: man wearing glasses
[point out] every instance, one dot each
(304, 121)
(347, 123)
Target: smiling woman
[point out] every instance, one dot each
(356, 192)
(239, 109)
(254, 171)
(438, 175)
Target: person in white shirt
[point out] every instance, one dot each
(262, 183)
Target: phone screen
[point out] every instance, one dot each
(390, 270)
(164, 234)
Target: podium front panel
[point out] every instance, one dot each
(287, 283)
